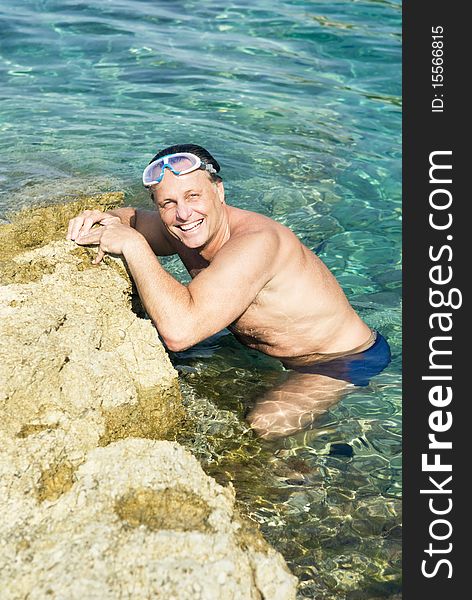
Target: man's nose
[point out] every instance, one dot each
(184, 211)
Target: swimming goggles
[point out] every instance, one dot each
(179, 163)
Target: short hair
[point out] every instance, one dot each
(199, 151)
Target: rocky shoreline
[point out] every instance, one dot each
(97, 501)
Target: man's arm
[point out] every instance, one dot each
(185, 315)
(150, 225)
(126, 214)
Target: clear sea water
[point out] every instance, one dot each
(301, 104)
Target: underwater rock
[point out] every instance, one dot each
(89, 510)
(341, 450)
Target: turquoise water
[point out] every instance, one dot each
(300, 103)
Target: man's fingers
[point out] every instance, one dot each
(99, 257)
(83, 223)
(74, 228)
(89, 222)
(90, 238)
(110, 220)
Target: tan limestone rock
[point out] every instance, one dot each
(94, 503)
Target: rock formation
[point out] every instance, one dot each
(94, 502)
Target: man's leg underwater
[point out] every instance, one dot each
(311, 390)
(295, 404)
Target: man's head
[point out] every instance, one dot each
(190, 200)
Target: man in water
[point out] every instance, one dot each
(250, 274)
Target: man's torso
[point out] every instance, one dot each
(302, 310)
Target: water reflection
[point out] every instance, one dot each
(326, 493)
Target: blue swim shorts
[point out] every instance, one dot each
(357, 368)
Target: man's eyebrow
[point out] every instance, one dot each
(189, 191)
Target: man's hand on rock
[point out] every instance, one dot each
(111, 237)
(83, 223)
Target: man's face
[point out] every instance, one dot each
(190, 205)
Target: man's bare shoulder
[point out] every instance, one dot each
(245, 222)
(257, 232)
(259, 239)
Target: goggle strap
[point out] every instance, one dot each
(208, 167)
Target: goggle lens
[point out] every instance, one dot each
(155, 172)
(181, 163)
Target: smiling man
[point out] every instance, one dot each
(249, 273)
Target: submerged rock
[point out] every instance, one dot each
(89, 510)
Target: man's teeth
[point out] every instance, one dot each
(190, 226)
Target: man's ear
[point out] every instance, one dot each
(221, 191)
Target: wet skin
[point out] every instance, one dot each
(249, 273)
